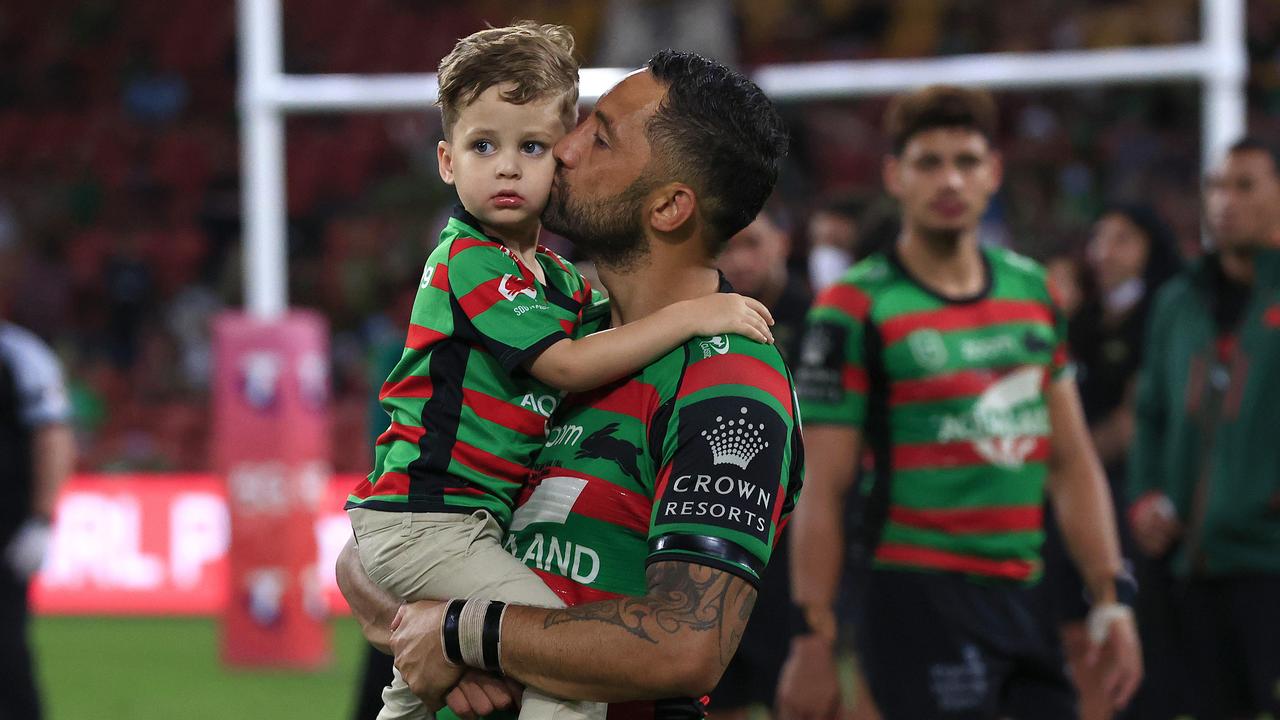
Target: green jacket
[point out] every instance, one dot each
(1208, 423)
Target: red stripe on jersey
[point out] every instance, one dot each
(396, 431)
(1060, 360)
(468, 490)
(440, 278)
(605, 501)
(391, 483)
(966, 317)
(568, 327)
(950, 386)
(855, 379)
(628, 397)
(466, 243)
(572, 592)
(488, 464)
(486, 295)
(508, 415)
(965, 453)
(737, 370)
(421, 338)
(972, 520)
(957, 562)
(413, 386)
(847, 298)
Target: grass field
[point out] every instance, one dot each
(154, 669)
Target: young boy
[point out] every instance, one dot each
(491, 344)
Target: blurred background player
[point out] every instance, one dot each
(755, 264)
(37, 453)
(833, 239)
(950, 360)
(1204, 464)
(1127, 258)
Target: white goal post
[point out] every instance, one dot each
(266, 94)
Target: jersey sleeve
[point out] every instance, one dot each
(42, 397)
(731, 465)
(1060, 365)
(507, 307)
(831, 377)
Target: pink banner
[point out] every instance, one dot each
(157, 545)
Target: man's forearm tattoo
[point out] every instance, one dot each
(682, 595)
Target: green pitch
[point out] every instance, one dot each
(145, 669)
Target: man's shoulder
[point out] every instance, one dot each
(734, 365)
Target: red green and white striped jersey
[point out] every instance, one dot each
(950, 397)
(466, 419)
(696, 458)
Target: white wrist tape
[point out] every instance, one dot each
(471, 632)
(1101, 617)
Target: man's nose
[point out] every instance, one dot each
(568, 150)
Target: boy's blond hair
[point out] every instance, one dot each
(538, 59)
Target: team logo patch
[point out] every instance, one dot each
(512, 287)
(602, 444)
(928, 348)
(728, 470)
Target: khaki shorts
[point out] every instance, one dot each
(437, 556)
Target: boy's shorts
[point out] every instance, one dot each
(419, 556)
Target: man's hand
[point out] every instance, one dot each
(1155, 524)
(1120, 658)
(415, 640)
(480, 694)
(808, 688)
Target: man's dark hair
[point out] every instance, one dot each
(1253, 143)
(717, 129)
(939, 106)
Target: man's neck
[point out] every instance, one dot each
(951, 267)
(651, 284)
(1237, 266)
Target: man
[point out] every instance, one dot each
(37, 452)
(833, 240)
(1204, 464)
(950, 361)
(657, 499)
(755, 263)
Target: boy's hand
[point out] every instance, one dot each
(730, 313)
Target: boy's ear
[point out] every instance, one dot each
(444, 156)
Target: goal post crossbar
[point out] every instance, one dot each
(267, 94)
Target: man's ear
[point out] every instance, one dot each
(444, 156)
(672, 207)
(889, 174)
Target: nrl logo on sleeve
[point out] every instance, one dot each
(512, 287)
(735, 441)
(718, 345)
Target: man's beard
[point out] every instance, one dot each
(607, 231)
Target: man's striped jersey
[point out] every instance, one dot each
(695, 458)
(466, 418)
(950, 397)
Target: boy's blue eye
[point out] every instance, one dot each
(533, 148)
(484, 147)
